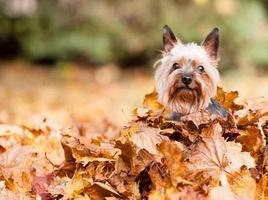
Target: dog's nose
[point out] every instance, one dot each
(186, 80)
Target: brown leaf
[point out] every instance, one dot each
(214, 155)
(158, 175)
(252, 113)
(67, 147)
(240, 185)
(40, 186)
(2, 149)
(243, 185)
(126, 161)
(124, 184)
(144, 159)
(108, 187)
(187, 193)
(150, 102)
(148, 138)
(173, 159)
(198, 118)
(251, 140)
(226, 99)
(262, 189)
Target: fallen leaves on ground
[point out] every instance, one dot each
(199, 157)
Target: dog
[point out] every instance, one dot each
(187, 76)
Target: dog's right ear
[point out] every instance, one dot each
(169, 39)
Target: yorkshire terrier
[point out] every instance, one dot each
(187, 76)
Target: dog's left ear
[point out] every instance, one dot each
(211, 43)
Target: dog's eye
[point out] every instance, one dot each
(200, 68)
(176, 66)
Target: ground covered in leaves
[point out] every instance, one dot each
(203, 156)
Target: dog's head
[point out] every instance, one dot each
(186, 75)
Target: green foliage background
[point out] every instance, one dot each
(130, 32)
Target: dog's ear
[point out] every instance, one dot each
(169, 39)
(211, 43)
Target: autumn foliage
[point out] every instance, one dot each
(200, 157)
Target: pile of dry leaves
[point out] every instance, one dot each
(200, 157)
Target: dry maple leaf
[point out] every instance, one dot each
(226, 99)
(254, 113)
(148, 138)
(184, 132)
(216, 156)
(172, 193)
(262, 188)
(9, 194)
(76, 186)
(173, 159)
(144, 159)
(40, 186)
(243, 185)
(198, 118)
(251, 139)
(21, 164)
(150, 101)
(40, 125)
(158, 175)
(100, 191)
(75, 149)
(239, 185)
(143, 137)
(127, 157)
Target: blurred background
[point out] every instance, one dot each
(93, 59)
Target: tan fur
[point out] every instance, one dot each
(172, 93)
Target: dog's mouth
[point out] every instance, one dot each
(185, 89)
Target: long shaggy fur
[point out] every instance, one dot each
(172, 93)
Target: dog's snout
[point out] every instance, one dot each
(186, 80)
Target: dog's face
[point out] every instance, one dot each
(186, 76)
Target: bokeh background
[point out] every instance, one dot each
(91, 61)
